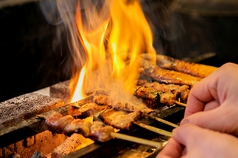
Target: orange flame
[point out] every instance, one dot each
(113, 47)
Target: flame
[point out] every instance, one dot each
(78, 93)
(113, 45)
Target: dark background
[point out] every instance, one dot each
(33, 58)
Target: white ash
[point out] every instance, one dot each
(26, 106)
(60, 90)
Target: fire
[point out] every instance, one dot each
(77, 82)
(113, 43)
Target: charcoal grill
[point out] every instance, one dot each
(31, 127)
(31, 132)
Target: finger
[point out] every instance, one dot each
(211, 105)
(208, 106)
(199, 96)
(187, 134)
(172, 150)
(222, 83)
(219, 119)
(200, 142)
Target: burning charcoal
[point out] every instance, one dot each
(26, 106)
(100, 132)
(74, 142)
(120, 119)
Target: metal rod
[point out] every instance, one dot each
(154, 129)
(137, 140)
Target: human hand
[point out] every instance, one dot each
(213, 102)
(189, 140)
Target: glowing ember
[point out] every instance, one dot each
(113, 36)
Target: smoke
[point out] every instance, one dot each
(165, 25)
(93, 13)
(58, 12)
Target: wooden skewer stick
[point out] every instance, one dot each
(154, 129)
(137, 140)
(163, 121)
(179, 103)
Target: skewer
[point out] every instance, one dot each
(137, 140)
(154, 129)
(77, 104)
(163, 121)
(179, 103)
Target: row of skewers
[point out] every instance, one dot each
(100, 118)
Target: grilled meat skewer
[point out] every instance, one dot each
(129, 107)
(156, 93)
(194, 69)
(67, 124)
(95, 130)
(168, 76)
(92, 109)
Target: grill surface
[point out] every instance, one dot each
(36, 125)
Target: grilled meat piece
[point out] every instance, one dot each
(129, 107)
(100, 132)
(78, 126)
(156, 93)
(153, 97)
(168, 76)
(56, 122)
(65, 124)
(87, 110)
(120, 119)
(103, 99)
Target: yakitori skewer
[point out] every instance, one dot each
(180, 103)
(96, 130)
(137, 140)
(163, 121)
(154, 129)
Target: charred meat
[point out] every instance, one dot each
(87, 110)
(67, 124)
(168, 76)
(128, 107)
(100, 132)
(161, 94)
(194, 69)
(120, 119)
